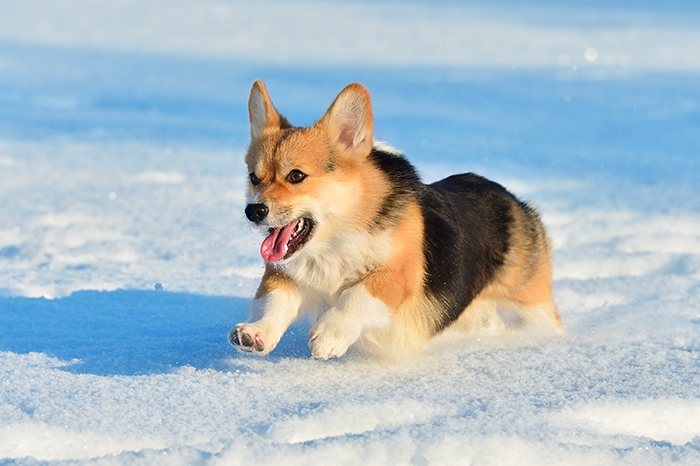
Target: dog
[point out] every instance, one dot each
(384, 261)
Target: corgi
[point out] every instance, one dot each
(384, 261)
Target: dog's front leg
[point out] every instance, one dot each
(341, 325)
(272, 313)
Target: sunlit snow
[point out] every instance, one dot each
(125, 256)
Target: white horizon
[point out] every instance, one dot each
(363, 33)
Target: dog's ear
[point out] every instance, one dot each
(349, 120)
(263, 114)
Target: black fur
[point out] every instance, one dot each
(467, 222)
(405, 185)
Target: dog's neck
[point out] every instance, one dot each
(334, 265)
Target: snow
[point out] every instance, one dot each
(403, 34)
(125, 257)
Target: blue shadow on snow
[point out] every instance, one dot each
(132, 332)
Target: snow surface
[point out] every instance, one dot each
(125, 257)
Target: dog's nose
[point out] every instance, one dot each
(256, 212)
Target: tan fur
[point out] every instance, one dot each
(274, 280)
(524, 282)
(401, 277)
(363, 272)
(399, 284)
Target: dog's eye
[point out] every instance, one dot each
(296, 176)
(254, 179)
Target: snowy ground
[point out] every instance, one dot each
(125, 258)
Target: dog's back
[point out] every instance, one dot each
(385, 260)
(482, 249)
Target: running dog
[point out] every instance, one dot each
(384, 261)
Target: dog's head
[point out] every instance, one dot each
(308, 184)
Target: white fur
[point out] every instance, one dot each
(346, 312)
(486, 316)
(383, 146)
(480, 316)
(355, 312)
(272, 314)
(258, 113)
(330, 265)
(326, 272)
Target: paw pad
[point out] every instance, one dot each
(245, 341)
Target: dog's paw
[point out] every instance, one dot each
(249, 338)
(329, 341)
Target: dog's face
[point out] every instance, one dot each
(308, 184)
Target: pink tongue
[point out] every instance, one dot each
(272, 248)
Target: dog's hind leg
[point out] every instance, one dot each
(535, 299)
(480, 316)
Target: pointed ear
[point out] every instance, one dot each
(263, 114)
(349, 121)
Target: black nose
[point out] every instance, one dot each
(256, 212)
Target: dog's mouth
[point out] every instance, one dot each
(284, 242)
